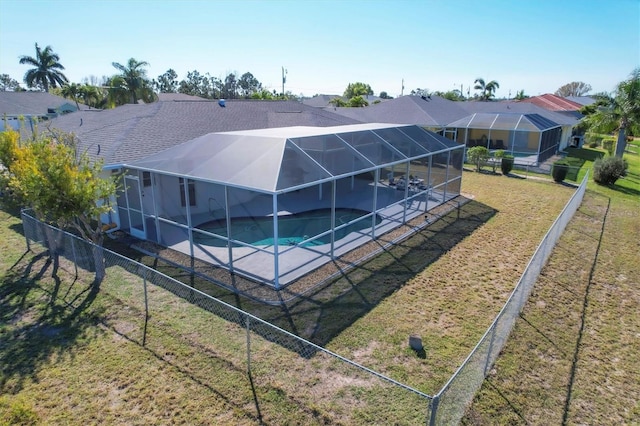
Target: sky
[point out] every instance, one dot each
(439, 45)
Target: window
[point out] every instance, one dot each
(191, 185)
(146, 179)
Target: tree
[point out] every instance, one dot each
(452, 95)
(357, 89)
(338, 102)
(8, 84)
(47, 71)
(200, 85)
(575, 88)
(520, 95)
(263, 94)
(133, 79)
(621, 113)
(249, 85)
(421, 92)
(230, 87)
(93, 96)
(167, 82)
(72, 91)
(487, 90)
(478, 155)
(61, 187)
(358, 101)
(384, 95)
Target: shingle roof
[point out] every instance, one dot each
(174, 97)
(426, 112)
(31, 103)
(131, 132)
(582, 100)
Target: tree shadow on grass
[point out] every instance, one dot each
(37, 322)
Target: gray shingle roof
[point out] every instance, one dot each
(131, 132)
(31, 103)
(426, 112)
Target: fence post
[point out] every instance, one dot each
(26, 238)
(75, 259)
(487, 364)
(247, 319)
(146, 307)
(434, 410)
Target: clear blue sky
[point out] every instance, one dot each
(534, 45)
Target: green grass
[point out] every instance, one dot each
(78, 357)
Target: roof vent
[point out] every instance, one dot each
(221, 103)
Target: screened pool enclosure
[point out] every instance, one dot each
(531, 138)
(274, 204)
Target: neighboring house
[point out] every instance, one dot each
(431, 112)
(530, 138)
(178, 97)
(27, 108)
(565, 120)
(324, 101)
(493, 124)
(582, 100)
(321, 101)
(553, 103)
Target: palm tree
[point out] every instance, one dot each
(621, 113)
(91, 95)
(487, 90)
(133, 79)
(47, 69)
(72, 91)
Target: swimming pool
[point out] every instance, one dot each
(292, 229)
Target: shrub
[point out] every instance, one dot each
(608, 145)
(593, 140)
(478, 155)
(608, 170)
(560, 170)
(507, 164)
(497, 155)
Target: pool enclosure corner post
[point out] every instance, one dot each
(374, 209)
(187, 202)
(539, 146)
(228, 222)
(154, 188)
(333, 217)
(406, 194)
(276, 272)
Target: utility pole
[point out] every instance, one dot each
(284, 79)
(402, 91)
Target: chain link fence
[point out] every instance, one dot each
(278, 376)
(450, 403)
(275, 376)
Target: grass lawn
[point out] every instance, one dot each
(573, 355)
(74, 356)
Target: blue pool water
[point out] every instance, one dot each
(292, 229)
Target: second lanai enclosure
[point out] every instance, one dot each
(274, 204)
(531, 138)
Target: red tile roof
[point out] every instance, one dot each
(553, 103)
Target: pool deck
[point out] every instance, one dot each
(295, 261)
